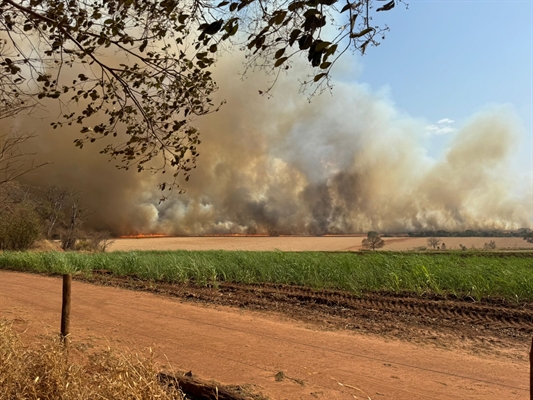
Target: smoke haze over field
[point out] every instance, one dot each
(344, 163)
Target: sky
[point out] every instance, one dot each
(446, 60)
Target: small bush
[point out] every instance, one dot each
(372, 241)
(434, 242)
(20, 226)
(83, 245)
(490, 245)
(96, 241)
(99, 240)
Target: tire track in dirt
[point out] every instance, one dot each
(252, 348)
(458, 311)
(479, 326)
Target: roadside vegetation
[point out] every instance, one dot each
(44, 371)
(29, 214)
(478, 275)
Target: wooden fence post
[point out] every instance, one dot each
(65, 309)
(531, 371)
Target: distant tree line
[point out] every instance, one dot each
(29, 214)
(471, 233)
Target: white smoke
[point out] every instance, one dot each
(344, 163)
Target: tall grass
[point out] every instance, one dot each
(44, 371)
(479, 275)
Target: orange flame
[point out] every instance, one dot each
(144, 236)
(164, 235)
(236, 235)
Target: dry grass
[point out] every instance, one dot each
(43, 371)
(453, 243)
(46, 245)
(303, 243)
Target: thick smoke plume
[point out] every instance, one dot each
(341, 164)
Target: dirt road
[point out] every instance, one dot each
(235, 346)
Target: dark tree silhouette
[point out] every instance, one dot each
(373, 241)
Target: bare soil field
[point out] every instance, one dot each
(491, 327)
(291, 342)
(303, 243)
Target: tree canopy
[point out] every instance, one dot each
(141, 70)
(434, 242)
(372, 241)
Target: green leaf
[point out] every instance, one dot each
(182, 18)
(279, 53)
(353, 18)
(387, 7)
(260, 41)
(251, 44)
(213, 48)
(280, 61)
(362, 33)
(331, 50)
(325, 65)
(311, 12)
(142, 47)
(278, 17)
(224, 3)
(296, 5)
(294, 36)
(243, 4)
(213, 27)
(363, 47)
(233, 30)
(305, 42)
(322, 45)
(233, 6)
(319, 76)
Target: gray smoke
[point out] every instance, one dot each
(340, 164)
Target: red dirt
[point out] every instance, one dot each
(242, 346)
(492, 326)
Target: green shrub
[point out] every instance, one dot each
(20, 226)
